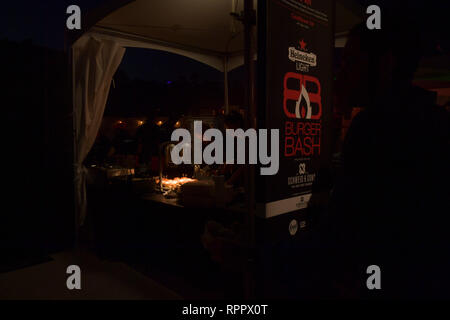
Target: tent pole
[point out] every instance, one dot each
(249, 22)
(76, 208)
(225, 84)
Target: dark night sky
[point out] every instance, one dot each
(44, 22)
(163, 66)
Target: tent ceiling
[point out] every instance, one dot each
(204, 25)
(198, 25)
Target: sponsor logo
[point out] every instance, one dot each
(302, 58)
(310, 99)
(293, 227)
(302, 168)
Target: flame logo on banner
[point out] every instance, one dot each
(303, 95)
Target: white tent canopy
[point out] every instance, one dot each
(203, 30)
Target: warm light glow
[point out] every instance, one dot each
(140, 122)
(120, 122)
(159, 123)
(177, 124)
(176, 182)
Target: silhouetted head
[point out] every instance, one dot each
(377, 61)
(234, 120)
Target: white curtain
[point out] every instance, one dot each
(94, 64)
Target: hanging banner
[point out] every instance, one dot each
(295, 39)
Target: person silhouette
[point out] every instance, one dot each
(390, 205)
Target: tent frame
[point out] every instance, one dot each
(226, 61)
